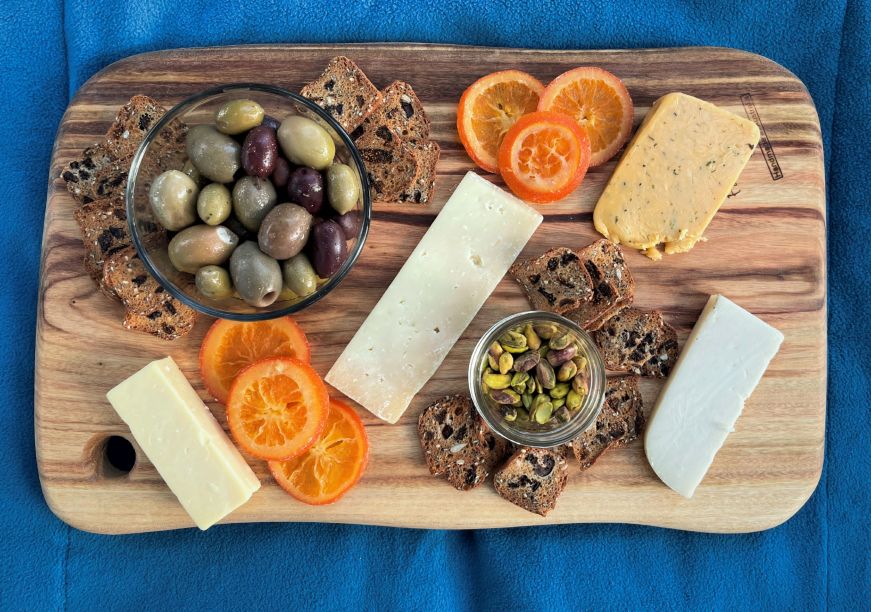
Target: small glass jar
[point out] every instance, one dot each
(531, 433)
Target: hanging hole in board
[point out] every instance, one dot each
(119, 456)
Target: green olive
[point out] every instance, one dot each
(306, 143)
(201, 245)
(173, 197)
(192, 172)
(299, 275)
(286, 295)
(253, 198)
(214, 282)
(257, 276)
(343, 188)
(237, 116)
(215, 155)
(214, 204)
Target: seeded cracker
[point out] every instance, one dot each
(613, 286)
(638, 341)
(533, 478)
(619, 423)
(556, 281)
(457, 444)
(344, 91)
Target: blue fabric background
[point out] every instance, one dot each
(817, 559)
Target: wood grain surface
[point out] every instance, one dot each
(765, 250)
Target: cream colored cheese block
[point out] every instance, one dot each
(439, 290)
(724, 359)
(674, 175)
(185, 443)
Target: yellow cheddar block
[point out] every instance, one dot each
(674, 175)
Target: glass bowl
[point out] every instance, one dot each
(533, 434)
(163, 149)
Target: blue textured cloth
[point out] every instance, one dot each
(819, 558)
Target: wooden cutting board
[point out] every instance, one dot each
(765, 250)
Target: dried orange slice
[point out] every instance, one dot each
(544, 157)
(488, 109)
(332, 465)
(230, 346)
(599, 102)
(277, 408)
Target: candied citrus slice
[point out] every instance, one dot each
(333, 465)
(488, 109)
(230, 346)
(544, 157)
(599, 102)
(277, 408)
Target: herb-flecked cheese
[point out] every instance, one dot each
(674, 175)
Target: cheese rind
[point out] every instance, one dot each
(674, 175)
(459, 261)
(723, 360)
(179, 435)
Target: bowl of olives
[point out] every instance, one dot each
(248, 202)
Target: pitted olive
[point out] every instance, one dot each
(201, 245)
(299, 275)
(343, 188)
(215, 155)
(214, 282)
(256, 276)
(173, 198)
(284, 231)
(237, 116)
(253, 198)
(214, 204)
(305, 143)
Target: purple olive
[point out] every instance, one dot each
(328, 248)
(260, 151)
(280, 173)
(306, 188)
(270, 121)
(349, 222)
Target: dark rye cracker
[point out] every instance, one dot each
(612, 283)
(533, 478)
(457, 444)
(391, 169)
(103, 224)
(149, 307)
(556, 281)
(400, 116)
(131, 124)
(638, 341)
(421, 192)
(619, 423)
(344, 91)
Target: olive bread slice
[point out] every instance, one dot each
(555, 281)
(619, 423)
(401, 116)
(390, 168)
(533, 478)
(421, 192)
(131, 124)
(103, 224)
(81, 174)
(638, 341)
(612, 283)
(344, 91)
(457, 444)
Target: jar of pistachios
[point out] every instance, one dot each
(537, 379)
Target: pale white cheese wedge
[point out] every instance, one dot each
(179, 435)
(445, 281)
(724, 359)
